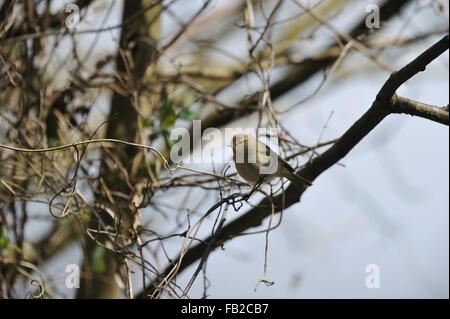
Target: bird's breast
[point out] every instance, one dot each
(248, 171)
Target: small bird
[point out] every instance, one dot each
(257, 163)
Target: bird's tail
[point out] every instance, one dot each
(298, 180)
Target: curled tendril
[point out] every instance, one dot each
(37, 283)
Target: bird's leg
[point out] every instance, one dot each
(255, 187)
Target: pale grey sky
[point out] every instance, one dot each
(388, 206)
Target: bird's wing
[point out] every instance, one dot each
(286, 170)
(265, 153)
(287, 165)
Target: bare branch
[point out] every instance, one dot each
(383, 105)
(403, 105)
(419, 64)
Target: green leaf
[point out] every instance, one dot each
(189, 98)
(166, 136)
(53, 142)
(4, 242)
(98, 260)
(167, 111)
(188, 115)
(148, 122)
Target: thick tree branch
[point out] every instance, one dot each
(386, 103)
(419, 64)
(102, 284)
(383, 105)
